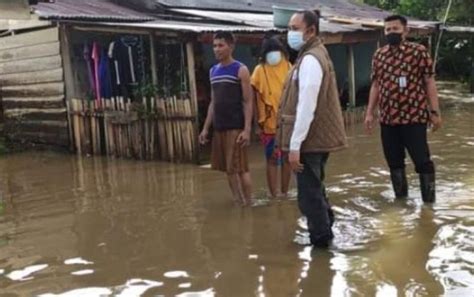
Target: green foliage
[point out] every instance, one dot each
(461, 13)
(145, 89)
(384, 4)
(3, 149)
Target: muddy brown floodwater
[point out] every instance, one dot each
(74, 226)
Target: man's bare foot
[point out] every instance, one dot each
(246, 201)
(236, 200)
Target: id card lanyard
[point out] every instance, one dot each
(402, 80)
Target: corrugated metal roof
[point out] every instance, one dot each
(412, 23)
(349, 7)
(245, 18)
(345, 9)
(193, 27)
(88, 10)
(263, 20)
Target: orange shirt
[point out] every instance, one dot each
(268, 82)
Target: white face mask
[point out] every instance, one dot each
(273, 58)
(295, 40)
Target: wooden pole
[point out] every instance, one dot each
(84, 126)
(147, 128)
(169, 129)
(176, 123)
(77, 132)
(190, 131)
(152, 128)
(182, 128)
(161, 128)
(138, 139)
(96, 118)
(154, 72)
(193, 96)
(173, 128)
(68, 79)
(107, 135)
(351, 75)
(91, 118)
(119, 131)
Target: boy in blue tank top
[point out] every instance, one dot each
(230, 113)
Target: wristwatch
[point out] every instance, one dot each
(434, 112)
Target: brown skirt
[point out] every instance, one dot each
(227, 155)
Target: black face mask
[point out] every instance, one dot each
(394, 38)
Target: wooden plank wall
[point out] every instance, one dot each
(32, 88)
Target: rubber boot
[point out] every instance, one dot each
(399, 183)
(428, 187)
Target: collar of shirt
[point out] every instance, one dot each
(401, 47)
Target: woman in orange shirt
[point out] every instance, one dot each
(267, 81)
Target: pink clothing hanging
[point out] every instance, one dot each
(96, 59)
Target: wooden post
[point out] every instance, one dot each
(193, 95)
(351, 75)
(147, 128)
(430, 44)
(154, 73)
(161, 122)
(77, 133)
(154, 79)
(68, 78)
(91, 115)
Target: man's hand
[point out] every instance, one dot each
(203, 137)
(294, 159)
(369, 123)
(258, 130)
(436, 122)
(244, 138)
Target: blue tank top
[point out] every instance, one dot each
(228, 99)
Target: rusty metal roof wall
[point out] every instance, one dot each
(88, 10)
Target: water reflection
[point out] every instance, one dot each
(102, 227)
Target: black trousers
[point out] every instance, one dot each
(312, 200)
(412, 137)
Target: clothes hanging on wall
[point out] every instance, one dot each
(95, 59)
(105, 75)
(124, 63)
(87, 49)
(116, 68)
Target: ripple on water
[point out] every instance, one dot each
(452, 258)
(26, 273)
(132, 288)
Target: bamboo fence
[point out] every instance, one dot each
(156, 128)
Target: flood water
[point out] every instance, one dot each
(73, 226)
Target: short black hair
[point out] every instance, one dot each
(396, 17)
(311, 18)
(269, 45)
(226, 35)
